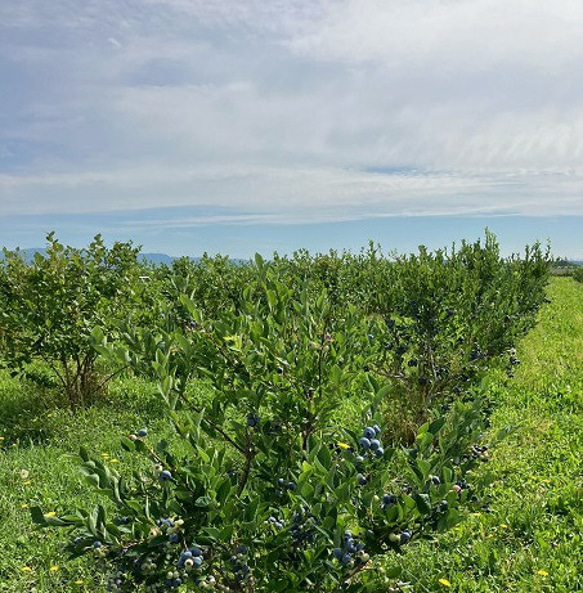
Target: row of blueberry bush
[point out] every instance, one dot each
(326, 411)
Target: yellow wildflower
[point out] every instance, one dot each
(79, 582)
(26, 569)
(344, 445)
(114, 460)
(54, 568)
(23, 506)
(444, 582)
(542, 573)
(50, 514)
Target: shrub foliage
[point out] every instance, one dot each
(326, 413)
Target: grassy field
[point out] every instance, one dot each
(529, 542)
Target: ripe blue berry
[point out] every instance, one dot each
(361, 479)
(364, 443)
(142, 432)
(165, 475)
(379, 452)
(375, 444)
(337, 553)
(369, 432)
(97, 544)
(377, 429)
(405, 537)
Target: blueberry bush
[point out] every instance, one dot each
(49, 306)
(326, 412)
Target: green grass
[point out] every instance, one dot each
(535, 524)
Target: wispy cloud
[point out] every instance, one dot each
(292, 110)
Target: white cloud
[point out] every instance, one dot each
(282, 107)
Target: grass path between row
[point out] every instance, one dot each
(532, 540)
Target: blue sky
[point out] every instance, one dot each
(235, 126)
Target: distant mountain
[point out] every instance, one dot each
(151, 258)
(157, 258)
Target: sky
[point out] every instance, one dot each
(237, 126)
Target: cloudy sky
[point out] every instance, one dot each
(236, 125)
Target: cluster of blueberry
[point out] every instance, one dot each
(171, 528)
(164, 475)
(401, 538)
(285, 484)
(240, 568)
(191, 558)
(253, 420)
(388, 500)
(115, 582)
(351, 553)
(369, 442)
(274, 521)
(142, 433)
(302, 528)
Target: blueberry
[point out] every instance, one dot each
(364, 443)
(174, 538)
(241, 549)
(369, 432)
(97, 544)
(361, 479)
(350, 547)
(197, 561)
(346, 558)
(195, 551)
(142, 433)
(375, 444)
(377, 429)
(337, 553)
(165, 475)
(279, 370)
(436, 480)
(186, 554)
(389, 499)
(404, 538)
(291, 486)
(379, 452)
